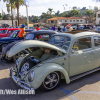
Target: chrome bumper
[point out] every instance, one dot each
(3, 56)
(20, 83)
(8, 58)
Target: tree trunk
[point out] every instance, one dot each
(12, 15)
(18, 12)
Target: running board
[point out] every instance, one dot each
(83, 74)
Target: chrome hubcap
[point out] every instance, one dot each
(51, 80)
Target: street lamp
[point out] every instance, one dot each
(26, 3)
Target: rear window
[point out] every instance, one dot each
(97, 41)
(29, 37)
(60, 41)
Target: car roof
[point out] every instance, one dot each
(13, 28)
(10, 28)
(78, 34)
(43, 31)
(3, 28)
(26, 30)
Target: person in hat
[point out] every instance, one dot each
(70, 28)
(22, 33)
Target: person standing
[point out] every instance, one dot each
(22, 33)
(53, 28)
(64, 29)
(70, 28)
(59, 29)
(37, 27)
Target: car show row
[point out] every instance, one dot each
(45, 57)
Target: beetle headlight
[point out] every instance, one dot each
(31, 76)
(17, 62)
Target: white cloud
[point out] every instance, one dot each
(36, 7)
(45, 1)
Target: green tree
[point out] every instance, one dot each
(89, 12)
(57, 13)
(11, 3)
(74, 7)
(8, 8)
(17, 4)
(65, 14)
(74, 13)
(84, 8)
(14, 4)
(95, 8)
(90, 16)
(5, 17)
(0, 16)
(50, 11)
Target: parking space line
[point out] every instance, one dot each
(68, 93)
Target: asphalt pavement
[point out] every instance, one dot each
(86, 88)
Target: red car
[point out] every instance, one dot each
(6, 32)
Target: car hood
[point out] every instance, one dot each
(6, 38)
(10, 45)
(31, 43)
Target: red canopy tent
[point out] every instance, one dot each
(69, 25)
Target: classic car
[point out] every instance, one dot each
(13, 37)
(30, 36)
(66, 56)
(6, 32)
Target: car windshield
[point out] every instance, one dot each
(15, 34)
(61, 41)
(29, 36)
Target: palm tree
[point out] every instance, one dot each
(17, 4)
(8, 8)
(50, 11)
(11, 3)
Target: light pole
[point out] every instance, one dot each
(26, 3)
(27, 17)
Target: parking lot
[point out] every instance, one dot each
(86, 88)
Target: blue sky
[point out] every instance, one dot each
(38, 6)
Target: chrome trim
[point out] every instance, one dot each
(84, 74)
(19, 82)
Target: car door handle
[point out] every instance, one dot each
(92, 52)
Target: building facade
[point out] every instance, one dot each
(59, 21)
(98, 17)
(9, 22)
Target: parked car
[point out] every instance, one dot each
(30, 36)
(6, 32)
(13, 37)
(68, 56)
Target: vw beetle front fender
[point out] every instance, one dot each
(42, 71)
